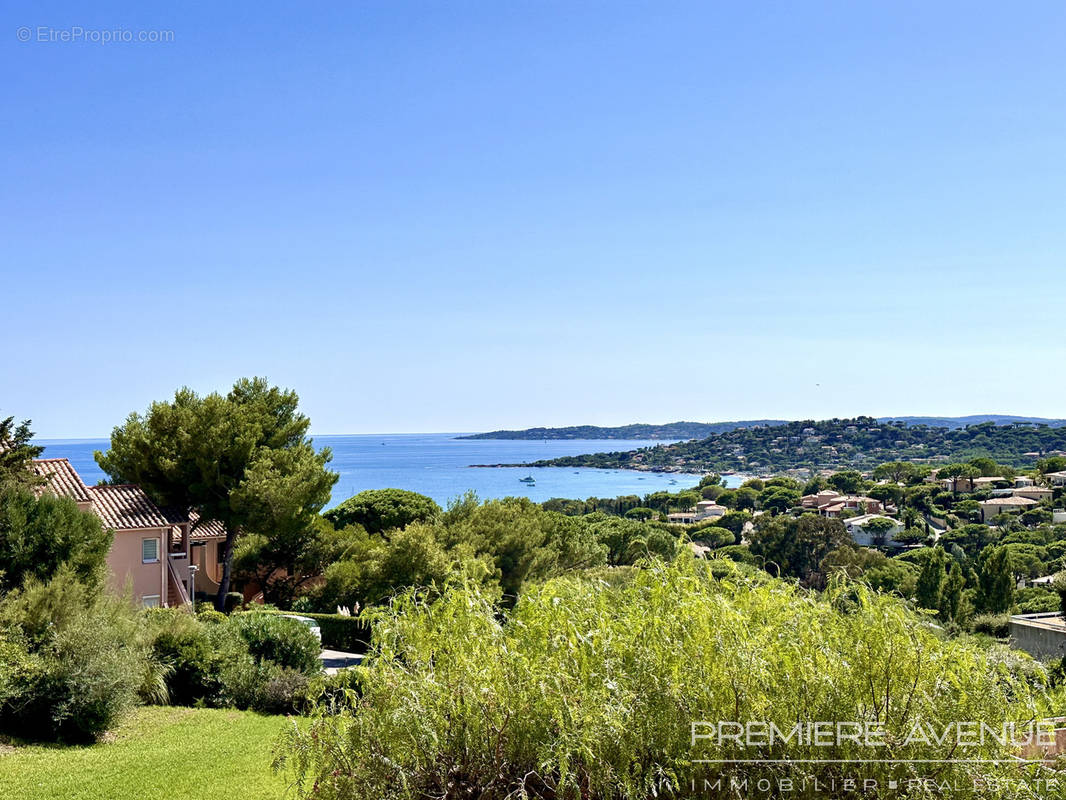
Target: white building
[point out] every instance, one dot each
(856, 527)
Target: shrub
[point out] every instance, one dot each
(340, 632)
(286, 642)
(194, 656)
(997, 625)
(588, 690)
(331, 693)
(73, 660)
(282, 691)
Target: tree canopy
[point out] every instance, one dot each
(243, 459)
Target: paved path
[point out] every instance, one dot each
(334, 660)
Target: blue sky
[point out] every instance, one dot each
(462, 216)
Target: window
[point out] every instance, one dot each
(149, 551)
(150, 600)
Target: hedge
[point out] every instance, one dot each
(339, 632)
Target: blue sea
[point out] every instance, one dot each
(438, 465)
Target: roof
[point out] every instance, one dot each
(127, 507)
(862, 520)
(1009, 501)
(212, 529)
(61, 478)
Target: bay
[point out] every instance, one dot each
(438, 465)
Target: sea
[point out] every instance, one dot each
(439, 465)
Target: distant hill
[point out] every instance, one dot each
(669, 431)
(701, 430)
(859, 443)
(975, 419)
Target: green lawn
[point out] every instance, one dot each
(159, 753)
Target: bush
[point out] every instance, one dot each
(587, 690)
(286, 642)
(233, 600)
(210, 617)
(331, 694)
(73, 660)
(996, 625)
(283, 691)
(340, 632)
(195, 656)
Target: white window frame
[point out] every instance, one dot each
(150, 560)
(151, 601)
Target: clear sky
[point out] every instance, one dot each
(445, 216)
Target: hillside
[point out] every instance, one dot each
(700, 430)
(669, 430)
(862, 442)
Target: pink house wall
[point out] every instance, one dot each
(124, 562)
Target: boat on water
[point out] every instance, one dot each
(528, 479)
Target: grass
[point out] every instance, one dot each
(158, 753)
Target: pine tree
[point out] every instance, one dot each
(951, 597)
(930, 584)
(995, 585)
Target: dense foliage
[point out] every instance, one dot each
(589, 690)
(833, 444)
(378, 510)
(72, 660)
(38, 535)
(242, 459)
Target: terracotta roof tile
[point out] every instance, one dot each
(62, 479)
(126, 507)
(206, 530)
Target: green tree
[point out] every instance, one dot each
(778, 499)
(895, 471)
(848, 481)
(287, 559)
(796, 546)
(379, 510)
(878, 528)
(930, 586)
(640, 513)
(995, 584)
(242, 459)
(40, 535)
(951, 596)
(16, 452)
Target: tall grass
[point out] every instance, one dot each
(587, 690)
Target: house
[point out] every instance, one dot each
(856, 527)
(967, 485)
(708, 509)
(704, 510)
(1056, 478)
(150, 553)
(1022, 481)
(1003, 505)
(682, 517)
(1037, 493)
(830, 503)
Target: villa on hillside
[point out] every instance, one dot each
(704, 510)
(830, 503)
(1056, 478)
(856, 527)
(153, 546)
(1003, 505)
